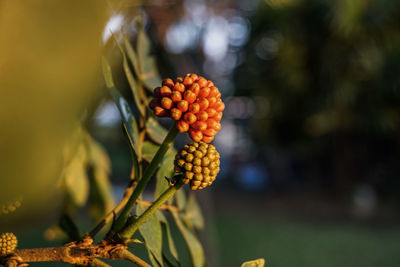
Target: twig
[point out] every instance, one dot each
(73, 253)
(108, 218)
(146, 176)
(167, 207)
(130, 229)
(99, 263)
(125, 254)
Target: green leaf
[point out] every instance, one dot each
(131, 80)
(195, 248)
(128, 119)
(149, 150)
(193, 217)
(180, 198)
(254, 263)
(147, 64)
(101, 200)
(152, 259)
(75, 177)
(156, 132)
(167, 229)
(131, 54)
(152, 233)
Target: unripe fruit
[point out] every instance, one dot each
(198, 163)
(8, 243)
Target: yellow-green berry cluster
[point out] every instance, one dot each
(10, 206)
(198, 163)
(8, 243)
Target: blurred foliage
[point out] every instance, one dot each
(49, 70)
(327, 76)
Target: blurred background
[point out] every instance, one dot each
(310, 138)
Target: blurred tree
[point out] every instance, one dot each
(328, 72)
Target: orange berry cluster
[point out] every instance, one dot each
(194, 102)
(8, 243)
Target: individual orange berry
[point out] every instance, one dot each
(179, 87)
(182, 126)
(167, 103)
(195, 88)
(189, 117)
(187, 82)
(203, 102)
(168, 82)
(218, 126)
(202, 116)
(157, 92)
(214, 91)
(154, 103)
(204, 92)
(211, 100)
(196, 135)
(207, 139)
(200, 125)
(219, 106)
(202, 82)
(179, 80)
(211, 112)
(176, 96)
(211, 123)
(189, 96)
(209, 132)
(194, 77)
(183, 105)
(165, 91)
(218, 117)
(176, 114)
(210, 83)
(194, 108)
(161, 112)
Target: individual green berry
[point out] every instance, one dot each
(198, 163)
(8, 243)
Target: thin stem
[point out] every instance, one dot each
(124, 254)
(146, 176)
(127, 194)
(99, 263)
(129, 230)
(163, 207)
